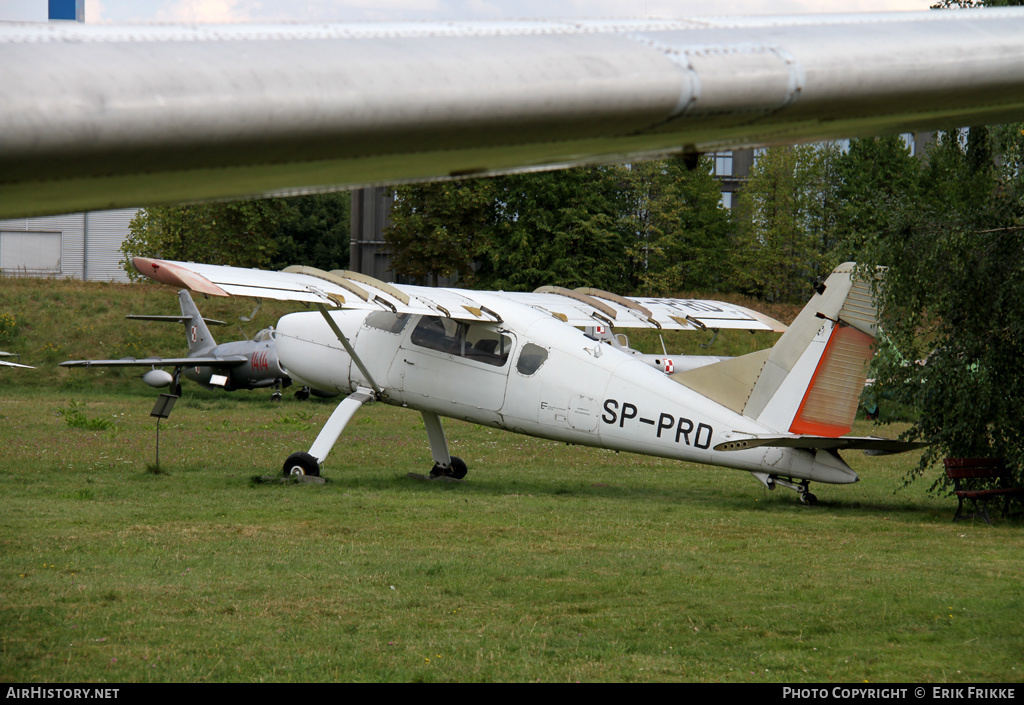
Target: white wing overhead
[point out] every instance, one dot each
(106, 116)
(577, 307)
(592, 307)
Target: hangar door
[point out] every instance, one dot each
(30, 252)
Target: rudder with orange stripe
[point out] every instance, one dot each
(810, 382)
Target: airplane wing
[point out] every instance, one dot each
(4, 363)
(870, 444)
(198, 361)
(172, 319)
(106, 116)
(577, 307)
(590, 307)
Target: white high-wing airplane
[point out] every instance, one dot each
(105, 116)
(518, 361)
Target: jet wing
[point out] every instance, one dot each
(198, 361)
(107, 116)
(870, 444)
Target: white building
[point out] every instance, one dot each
(80, 245)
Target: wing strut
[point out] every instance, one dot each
(350, 350)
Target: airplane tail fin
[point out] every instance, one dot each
(198, 334)
(810, 382)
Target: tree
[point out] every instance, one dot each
(239, 234)
(682, 232)
(784, 224)
(440, 229)
(877, 177)
(269, 233)
(658, 224)
(567, 228)
(315, 231)
(950, 303)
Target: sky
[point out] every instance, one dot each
(212, 11)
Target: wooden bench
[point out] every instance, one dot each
(977, 471)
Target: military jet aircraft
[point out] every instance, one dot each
(106, 116)
(519, 362)
(243, 364)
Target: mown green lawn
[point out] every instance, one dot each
(551, 562)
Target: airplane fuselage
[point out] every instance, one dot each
(528, 375)
(262, 367)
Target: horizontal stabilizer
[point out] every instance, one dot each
(206, 361)
(872, 444)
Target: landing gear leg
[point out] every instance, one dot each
(309, 463)
(444, 463)
(801, 488)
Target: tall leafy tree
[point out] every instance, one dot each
(877, 178)
(682, 232)
(440, 229)
(239, 233)
(315, 231)
(951, 302)
(268, 233)
(566, 228)
(781, 248)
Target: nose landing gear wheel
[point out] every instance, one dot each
(301, 464)
(456, 470)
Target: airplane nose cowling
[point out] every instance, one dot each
(310, 352)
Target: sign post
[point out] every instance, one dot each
(161, 410)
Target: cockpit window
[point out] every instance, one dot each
(531, 358)
(473, 342)
(387, 321)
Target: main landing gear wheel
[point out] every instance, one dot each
(807, 498)
(456, 470)
(301, 464)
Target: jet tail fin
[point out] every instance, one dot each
(198, 334)
(810, 382)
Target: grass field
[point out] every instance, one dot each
(551, 562)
